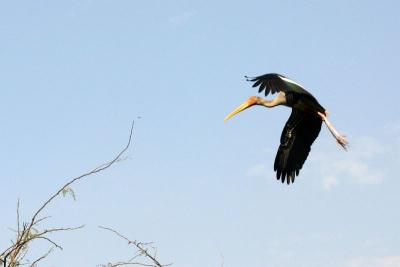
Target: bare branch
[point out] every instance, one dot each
(41, 219)
(27, 232)
(41, 258)
(95, 170)
(143, 250)
(50, 241)
(60, 229)
(18, 219)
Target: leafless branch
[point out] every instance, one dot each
(27, 232)
(95, 170)
(18, 231)
(145, 250)
(34, 263)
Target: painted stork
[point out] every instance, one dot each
(302, 127)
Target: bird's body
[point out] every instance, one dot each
(302, 127)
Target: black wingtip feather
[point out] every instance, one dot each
(250, 79)
(286, 176)
(257, 83)
(262, 87)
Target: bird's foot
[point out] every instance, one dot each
(341, 140)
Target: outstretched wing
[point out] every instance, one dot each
(299, 133)
(273, 82)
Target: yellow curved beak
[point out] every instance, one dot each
(248, 103)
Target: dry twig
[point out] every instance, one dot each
(144, 250)
(27, 232)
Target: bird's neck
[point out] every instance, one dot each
(280, 99)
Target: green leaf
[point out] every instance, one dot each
(68, 191)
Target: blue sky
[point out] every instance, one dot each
(73, 75)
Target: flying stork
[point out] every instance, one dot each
(302, 127)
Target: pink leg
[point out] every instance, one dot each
(340, 139)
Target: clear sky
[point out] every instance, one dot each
(73, 75)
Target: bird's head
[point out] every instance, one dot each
(251, 101)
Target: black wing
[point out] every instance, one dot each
(273, 82)
(299, 133)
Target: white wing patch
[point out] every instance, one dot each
(289, 80)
